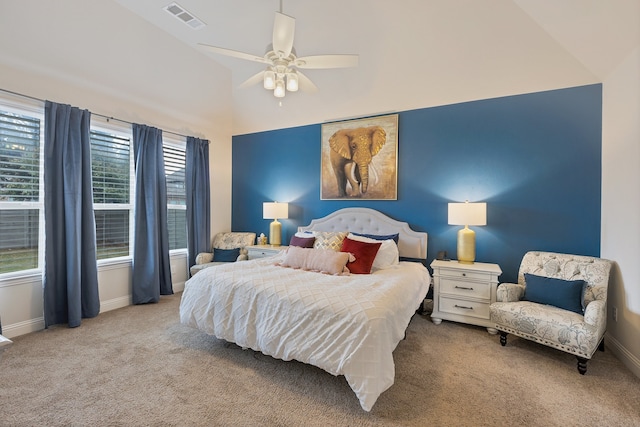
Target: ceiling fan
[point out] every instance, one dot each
(282, 62)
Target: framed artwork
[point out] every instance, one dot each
(359, 159)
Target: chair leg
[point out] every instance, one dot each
(582, 365)
(503, 338)
(601, 345)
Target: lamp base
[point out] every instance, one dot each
(275, 233)
(466, 245)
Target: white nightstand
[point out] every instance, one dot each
(464, 292)
(261, 251)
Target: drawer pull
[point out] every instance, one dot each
(462, 306)
(464, 287)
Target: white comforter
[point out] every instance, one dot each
(346, 325)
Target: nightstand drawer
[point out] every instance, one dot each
(465, 288)
(255, 254)
(463, 274)
(464, 308)
(263, 251)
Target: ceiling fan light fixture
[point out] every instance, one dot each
(279, 91)
(292, 81)
(269, 80)
(280, 60)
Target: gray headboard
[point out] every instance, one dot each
(411, 244)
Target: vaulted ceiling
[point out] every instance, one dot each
(413, 53)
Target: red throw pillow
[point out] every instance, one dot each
(364, 252)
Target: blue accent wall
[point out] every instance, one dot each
(535, 159)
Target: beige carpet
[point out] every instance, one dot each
(138, 366)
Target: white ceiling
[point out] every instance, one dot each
(413, 53)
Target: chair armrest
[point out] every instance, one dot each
(595, 314)
(509, 292)
(204, 258)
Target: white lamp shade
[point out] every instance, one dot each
(467, 213)
(292, 81)
(269, 80)
(279, 91)
(275, 210)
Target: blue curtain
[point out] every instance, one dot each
(198, 197)
(70, 271)
(151, 267)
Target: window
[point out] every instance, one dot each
(111, 165)
(174, 166)
(21, 208)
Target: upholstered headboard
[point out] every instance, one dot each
(411, 244)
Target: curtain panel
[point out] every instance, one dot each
(151, 264)
(70, 278)
(198, 197)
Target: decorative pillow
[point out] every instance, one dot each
(566, 294)
(364, 252)
(225, 255)
(320, 260)
(387, 254)
(303, 242)
(329, 240)
(394, 237)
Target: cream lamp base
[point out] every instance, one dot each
(466, 245)
(275, 233)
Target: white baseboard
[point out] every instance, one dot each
(624, 355)
(114, 303)
(21, 328)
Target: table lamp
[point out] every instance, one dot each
(275, 210)
(467, 214)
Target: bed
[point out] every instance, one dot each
(344, 324)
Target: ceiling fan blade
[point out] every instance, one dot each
(234, 53)
(305, 84)
(283, 29)
(327, 61)
(253, 80)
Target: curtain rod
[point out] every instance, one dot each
(33, 98)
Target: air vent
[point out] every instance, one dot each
(184, 16)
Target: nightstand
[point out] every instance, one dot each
(261, 251)
(464, 292)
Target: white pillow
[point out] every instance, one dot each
(387, 255)
(305, 234)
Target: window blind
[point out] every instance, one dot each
(111, 174)
(19, 158)
(174, 165)
(19, 191)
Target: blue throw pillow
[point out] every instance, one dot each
(379, 236)
(225, 255)
(566, 294)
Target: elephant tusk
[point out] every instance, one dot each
(353, 172)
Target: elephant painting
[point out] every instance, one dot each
(351, 153)
(359, 159)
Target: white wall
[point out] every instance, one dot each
(621, 206)
(124, 67)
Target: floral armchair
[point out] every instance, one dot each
(223, 243)
(536, 314)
